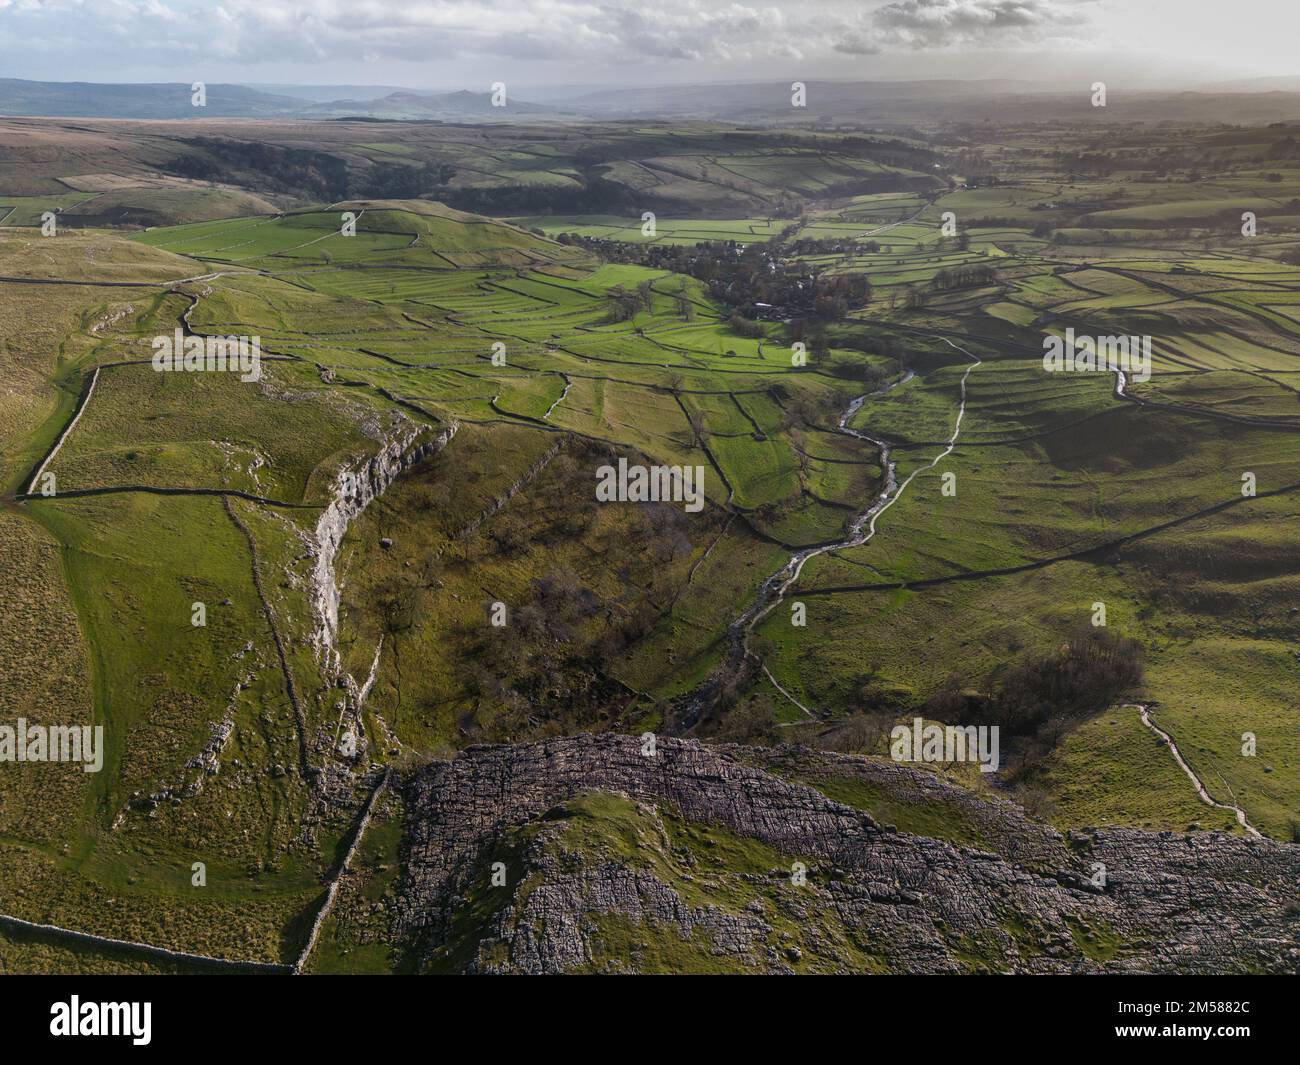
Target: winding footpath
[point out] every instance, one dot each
(1145, 714)
(863, 527)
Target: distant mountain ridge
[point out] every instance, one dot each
(833, 103)
(449, 106)
(84, 99)
(79, 99)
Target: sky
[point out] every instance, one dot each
(453, 44)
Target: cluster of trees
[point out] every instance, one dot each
(394, 181)
(547, 670)
(809, 246)
(760, 280)
(834, 295)
(254, 164)
(964, 275)
(745, 327)
(1038, 701)
(625, 304)
(303, 172)
(1081, 678)
(1035, 703)
(539, 657)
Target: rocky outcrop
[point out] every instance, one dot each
(690, 859)
(353, 489)
(342, 751)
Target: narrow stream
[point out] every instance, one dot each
(862, 528)
(558, 399)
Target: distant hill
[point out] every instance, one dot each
(1282, 83)
(447, 107)
(86, 99)
(768, 103)
(773, 97)
(82, 99)
(322, 94)
(940, 101)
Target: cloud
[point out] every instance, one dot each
(601, 33)
(241, 36)
(854, 43)
(951, 24)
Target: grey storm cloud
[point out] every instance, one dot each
(972, 23)
(597, 32)
(561, 30)
(854, 43)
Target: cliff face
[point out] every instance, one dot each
(585, 854)
(353, 489)
(343, 749)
